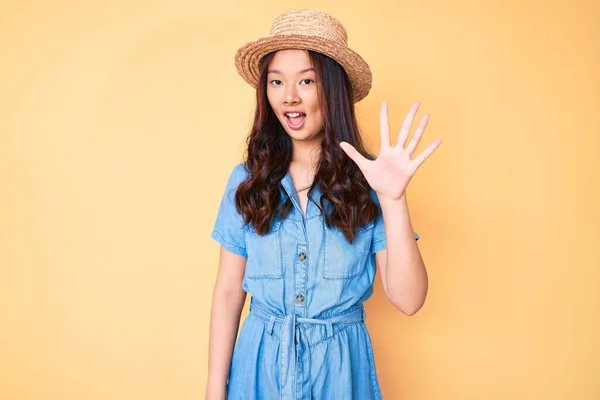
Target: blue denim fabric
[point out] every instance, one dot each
(305, 336)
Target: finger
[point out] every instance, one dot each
(384, 125)
(406, 125)
(354, 155)
(420, 159)
(418, 134)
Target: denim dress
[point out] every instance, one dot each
(304, 337)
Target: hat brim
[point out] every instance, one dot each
(248, 57)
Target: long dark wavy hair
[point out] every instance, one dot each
(269, 154)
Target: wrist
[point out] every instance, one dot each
(388, 202)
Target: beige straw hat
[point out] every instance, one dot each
(306, 30)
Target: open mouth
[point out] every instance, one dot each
(295, 120)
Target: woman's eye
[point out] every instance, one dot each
(307, 81)
(275, 82)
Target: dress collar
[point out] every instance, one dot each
(311, 209)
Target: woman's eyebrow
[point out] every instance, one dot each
(276, 71)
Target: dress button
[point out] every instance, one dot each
(300, 298)
(302, 256)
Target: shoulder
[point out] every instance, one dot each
(373, 196)
(238, 174)
(240, 171)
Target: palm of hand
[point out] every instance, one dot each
(391, 172)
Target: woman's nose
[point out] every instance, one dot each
(291, 96)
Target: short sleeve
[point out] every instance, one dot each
(379, 242)
(229, 226)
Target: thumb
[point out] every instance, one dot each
(354, 155)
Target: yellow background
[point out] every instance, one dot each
(121, 120)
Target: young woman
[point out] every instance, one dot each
(301, 224)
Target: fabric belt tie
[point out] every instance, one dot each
(292, 339)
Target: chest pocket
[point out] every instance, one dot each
(264, 253)
(342, 259)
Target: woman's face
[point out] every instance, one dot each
(292, 93)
